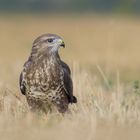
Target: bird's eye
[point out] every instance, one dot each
(50, 40)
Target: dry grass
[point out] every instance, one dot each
(103, 53)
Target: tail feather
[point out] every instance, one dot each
(74, 99)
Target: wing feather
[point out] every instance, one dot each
(68, 83)
(22, 84)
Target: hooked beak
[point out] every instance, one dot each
(62, 44)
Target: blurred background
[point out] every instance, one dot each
(102, 40)
(96, 33)
(131, 6)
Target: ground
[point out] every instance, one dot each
(103, 53)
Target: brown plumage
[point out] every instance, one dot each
(46, 79)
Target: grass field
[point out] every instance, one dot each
(103, 53)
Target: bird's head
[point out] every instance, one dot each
(48, 42)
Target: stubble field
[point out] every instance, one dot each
(103, 53)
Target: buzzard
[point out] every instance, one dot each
(46, 79)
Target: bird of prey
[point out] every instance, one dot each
(46, 79)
